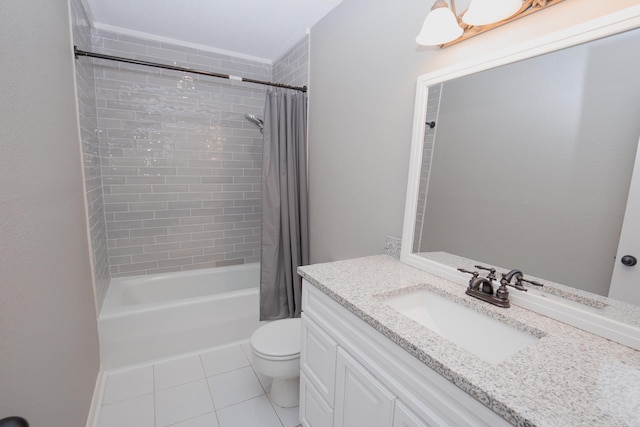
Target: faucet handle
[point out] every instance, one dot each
(492, 271)
(531, 282)
(506, 280)
(474, 273)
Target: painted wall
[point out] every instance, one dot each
(363, 69)
(48, 335)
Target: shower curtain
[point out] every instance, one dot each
(285, 229)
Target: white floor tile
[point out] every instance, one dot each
(246, 347)
(290, 417)
(256, 412)
(264, 380)
(177, 372)
(224, 360)
(182, 403)
(127, 384)
(135, 412)
(207, 420)
(233, 387)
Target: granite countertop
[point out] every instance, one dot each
(567, 378)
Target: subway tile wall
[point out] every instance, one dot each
(293, 67)
(433, 105)
(90, 153)
(180, 164)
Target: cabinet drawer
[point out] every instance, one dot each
(318, 358)
(314, 411)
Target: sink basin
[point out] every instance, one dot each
(487, 338)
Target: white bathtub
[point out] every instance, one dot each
(157, 316)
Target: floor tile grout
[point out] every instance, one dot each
(153, 384)
(213, 404)
(154, 381)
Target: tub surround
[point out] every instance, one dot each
(158, 316)
(569, 377)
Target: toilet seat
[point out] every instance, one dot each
(278, 340)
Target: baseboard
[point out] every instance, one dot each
(96, 400)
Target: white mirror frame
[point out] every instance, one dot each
(614, 23)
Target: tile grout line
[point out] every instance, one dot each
(153, 380)
(206, 379)
(263, 388)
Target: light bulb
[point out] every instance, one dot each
(440, 26)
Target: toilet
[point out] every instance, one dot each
(275, 349)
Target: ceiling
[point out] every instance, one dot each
(262, 30)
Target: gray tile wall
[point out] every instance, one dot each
(181, 165)
(90, 152)
(293, 67)
(433, 105)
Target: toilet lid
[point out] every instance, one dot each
(280, 338)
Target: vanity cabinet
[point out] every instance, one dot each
(361, 400)
(353, 376)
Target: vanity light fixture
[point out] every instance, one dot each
(444, 27)
(486, 12)
(440, 26)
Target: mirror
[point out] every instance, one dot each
(532, 161)
(528, 166)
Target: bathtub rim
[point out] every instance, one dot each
(112, 306)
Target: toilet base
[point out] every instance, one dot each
(285, 392)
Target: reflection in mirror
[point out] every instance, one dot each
(529, 164)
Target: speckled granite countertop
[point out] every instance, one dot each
(567, 378)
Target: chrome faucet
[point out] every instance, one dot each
(482, 287)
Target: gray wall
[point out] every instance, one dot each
(363, 70)
(364, 65)
(48, 335)
(180, 163)
(293, 67)
(542, 152)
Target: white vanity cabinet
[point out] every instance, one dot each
(361, 400)
(405, 417)
(353, 376)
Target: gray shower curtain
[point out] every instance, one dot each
(285, 229)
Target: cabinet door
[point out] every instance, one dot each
(361, 400)
(314, 411)
(405, 417)
(318, 358)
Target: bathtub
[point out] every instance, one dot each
(158, 316)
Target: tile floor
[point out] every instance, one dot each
(218, 388)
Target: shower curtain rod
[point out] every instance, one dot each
(77, 52)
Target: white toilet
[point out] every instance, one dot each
(276, 353)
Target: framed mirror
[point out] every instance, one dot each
(529, 166)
